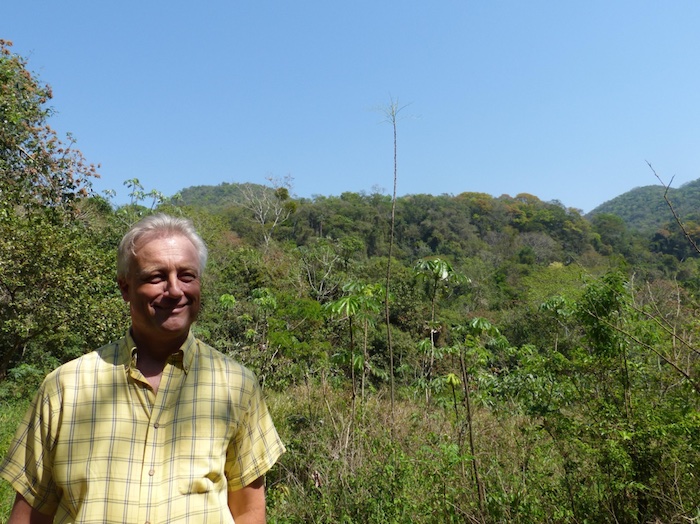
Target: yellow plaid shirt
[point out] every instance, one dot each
(99, 446)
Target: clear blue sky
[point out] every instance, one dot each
(564, 100)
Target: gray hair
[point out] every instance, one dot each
(158, 225)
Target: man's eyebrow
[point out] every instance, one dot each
(160, 269)
(150, 269)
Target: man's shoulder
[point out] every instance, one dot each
(72, 376)
(108, 355)
(222, 361)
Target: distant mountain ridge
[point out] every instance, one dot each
(644, 208)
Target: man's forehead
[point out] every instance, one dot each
(169, 237)
(169, 245)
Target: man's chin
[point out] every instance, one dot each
(175, 324)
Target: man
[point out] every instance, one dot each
(157, 427)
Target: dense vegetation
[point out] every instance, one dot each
(538, 366)
(644, 209)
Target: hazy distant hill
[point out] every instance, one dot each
(217, 197)
(644, 208)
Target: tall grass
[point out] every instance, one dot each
(11, 413)
(344, 470)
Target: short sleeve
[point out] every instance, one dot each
(256, 446)
(29, 460)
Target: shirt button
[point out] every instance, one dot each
(156, 425)
(151, 472)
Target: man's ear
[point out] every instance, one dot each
(124, 288)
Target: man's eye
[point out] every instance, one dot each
(188, 277)
(155, 279)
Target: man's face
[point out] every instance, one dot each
(162, 288)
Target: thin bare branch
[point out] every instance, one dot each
(673, 209)
(667, 329)
(684, 374)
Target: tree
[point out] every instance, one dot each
(438, 275)
(55, 269)
(473, 355)
(360, 301)
(391, 113)
(270, 207)
(37, 168)
(318, 261)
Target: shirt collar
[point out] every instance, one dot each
(185, 355)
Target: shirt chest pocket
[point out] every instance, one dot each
(200, 455)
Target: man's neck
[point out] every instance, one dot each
(156, 351)
(153, 355)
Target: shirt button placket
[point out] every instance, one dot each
(152, 446)
(154, 443)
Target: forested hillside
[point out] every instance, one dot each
(493, 360)
(216, 198)
(645, 209)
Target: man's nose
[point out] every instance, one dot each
(173, 286)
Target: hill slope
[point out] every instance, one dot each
(644, 208)
(218, 197)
